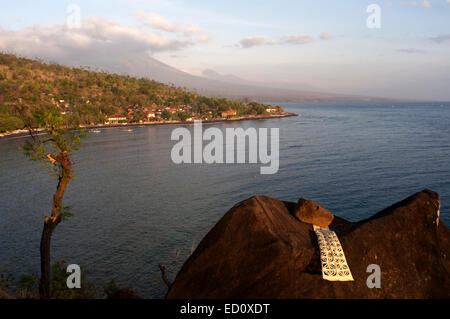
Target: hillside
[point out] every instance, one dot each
(91, 96)
(224, 86)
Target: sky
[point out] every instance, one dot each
(321, 45)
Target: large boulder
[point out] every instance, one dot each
(259, 249)
(310, 212)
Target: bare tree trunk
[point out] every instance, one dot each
(51, 223)
(44, 284)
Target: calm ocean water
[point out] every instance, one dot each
(134, 208)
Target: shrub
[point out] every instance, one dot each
(10, 123)
(114, 291)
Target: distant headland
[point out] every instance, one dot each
(93, 99)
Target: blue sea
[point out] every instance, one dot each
(134, 208)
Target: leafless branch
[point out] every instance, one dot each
(164, 276)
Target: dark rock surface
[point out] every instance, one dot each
(260, 250)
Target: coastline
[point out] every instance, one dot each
(21, 133)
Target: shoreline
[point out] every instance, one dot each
(22, 133)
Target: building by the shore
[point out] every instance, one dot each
(229, 113)
(272, 109)
(116, 119)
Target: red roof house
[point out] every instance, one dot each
(229, 113)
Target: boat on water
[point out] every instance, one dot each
(95, 131)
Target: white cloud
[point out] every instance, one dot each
(295, 39)
(326, 36)
(298, 39)
(411, 50)
(425, 3)
(158, 22)
(440, 38)
(95, 40)
(249, 42)
(203, 38)
(192, 29)
(409, 4)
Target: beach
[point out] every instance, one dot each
(19, 133)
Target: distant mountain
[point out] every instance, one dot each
(228, 78)
(285, 85)
(217, 85)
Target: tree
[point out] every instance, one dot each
(138, 116)
(166, 115)
(54, 149)
(182, 116)
(10, 123)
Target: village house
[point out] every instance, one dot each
(272, 109)
(229, 113)
(150, 115)
(116, 119)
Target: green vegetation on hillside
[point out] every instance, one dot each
(89, 97)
